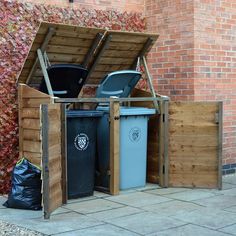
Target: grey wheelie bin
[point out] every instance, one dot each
(133, 132)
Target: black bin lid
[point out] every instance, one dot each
(66, 80)
(118, 83)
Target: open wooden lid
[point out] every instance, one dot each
(100, 51)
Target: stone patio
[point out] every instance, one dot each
(146, 211)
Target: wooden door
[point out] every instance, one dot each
(195, 144)
(53, 157)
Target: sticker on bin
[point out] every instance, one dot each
(81, 141)
(135, 134)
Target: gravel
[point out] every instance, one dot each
(7, 229)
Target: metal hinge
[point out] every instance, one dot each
(217, 118)
(163, 117)
(115, 118)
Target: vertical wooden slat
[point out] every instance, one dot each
(64, 153)
(45, 161)
(114, 146)
(161, 144)
(20, 89)
(220, 144)
(165, 133)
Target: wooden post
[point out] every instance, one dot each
(166, 142)
(163, 144)
(45, 161)
(220, 137)
(114, 146)
(64, 153)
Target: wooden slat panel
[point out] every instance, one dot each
(67, 41)
(193, 144)
(34, 124)
(33, 93)
(115, 61)
(65, 58)
(121, 53)
(68, 28)
(33, 157)
(30, 123)
(125, 46)
(34, 103)
(30, 112)
(109, 68)
(62, 49)
(191, 181)
(30, 134)
(70, 44)
(32, 146)
(52, 157)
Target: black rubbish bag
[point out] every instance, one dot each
(26, 187)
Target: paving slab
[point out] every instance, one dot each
(98, 194)
(229, 229)
(10, 214)
(59, 223)
(83, 199)
(115, 213)
(95, 205)
(60, 210)
(192, 195)
(229, 192)
(102, 230)
(231, 179)
(148, 186)
(208, 217)
(165, 191)
(227, 186)
(189, 230)
(172, 208)
(2, 200)
(220, 201)
(138, 199)
(145, 223)
(230, 209)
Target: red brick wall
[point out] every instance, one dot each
(215, 63)
(195, 57)
(171, 61)
(18, 25)
(120, 5)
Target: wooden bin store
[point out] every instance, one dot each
(184, 138)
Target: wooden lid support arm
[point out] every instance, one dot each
(45, 73)
(43, 47)
(149, 79)
(93, 48)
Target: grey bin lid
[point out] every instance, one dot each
(118, 83)
(130, 111)
(83, 113)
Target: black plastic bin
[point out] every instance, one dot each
(81, 151)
